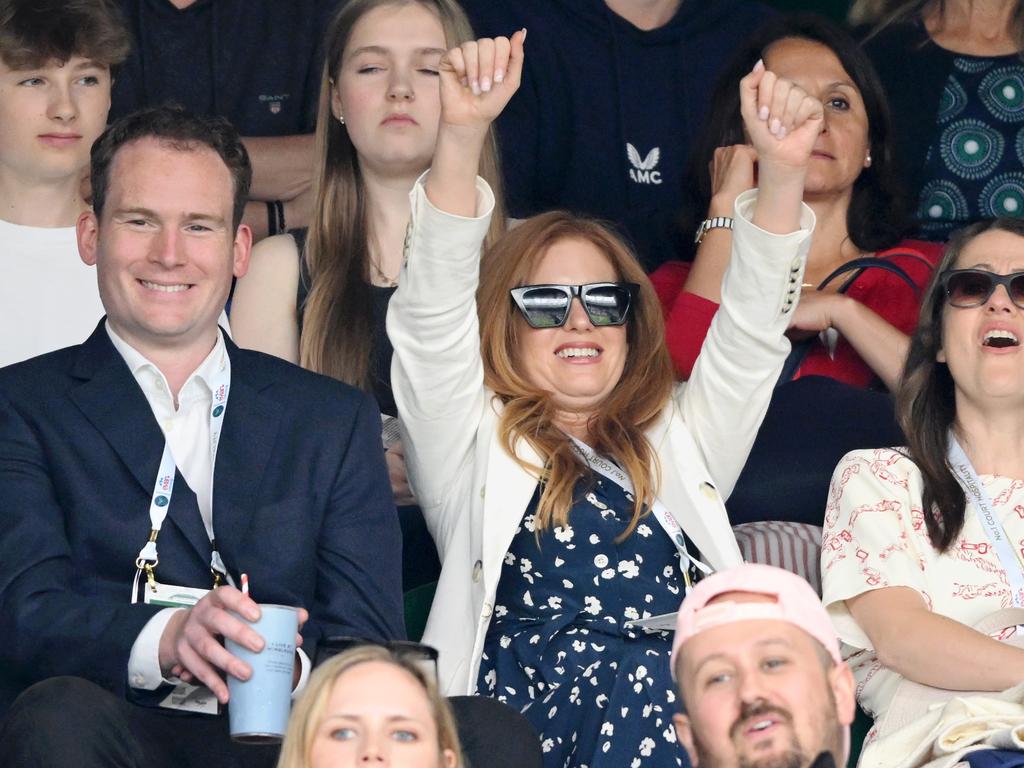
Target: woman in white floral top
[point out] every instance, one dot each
(910, 559)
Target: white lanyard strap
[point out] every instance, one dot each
(669, 524)
(968, 479)
(163, 488)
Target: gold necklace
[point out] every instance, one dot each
(380, 277)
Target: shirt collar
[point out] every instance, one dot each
(139, 365)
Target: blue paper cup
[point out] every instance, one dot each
(258, 708)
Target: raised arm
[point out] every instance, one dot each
(727, 395)
(477, 80)
(732, 173)
(437, 373)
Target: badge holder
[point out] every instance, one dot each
(184, 697)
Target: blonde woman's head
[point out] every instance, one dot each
(369, 703)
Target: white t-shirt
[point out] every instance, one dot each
(875, 537)
(48, 298)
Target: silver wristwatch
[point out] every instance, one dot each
(724, 222)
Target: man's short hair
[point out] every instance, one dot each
(36, 32)
(181, 130)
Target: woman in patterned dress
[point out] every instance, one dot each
(546, 441)
(954, 76)
(909, 563)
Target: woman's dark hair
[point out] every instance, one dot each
(36, 32)
(876, 218)
(181, 130)
(925, 402)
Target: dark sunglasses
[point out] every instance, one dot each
(547, 306)
(973, 287)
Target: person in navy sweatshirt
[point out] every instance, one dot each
(613, 95)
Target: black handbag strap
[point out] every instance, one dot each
(858, 267)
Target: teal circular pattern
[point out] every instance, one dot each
(971, 66)
(970, 149)
(942, 200)
(1018, 144)
(1002, 93)
(952, 101)
(1003, 196)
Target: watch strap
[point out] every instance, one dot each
(715, 222)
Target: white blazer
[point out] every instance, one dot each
(473, 493)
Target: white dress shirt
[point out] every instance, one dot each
(186, 427)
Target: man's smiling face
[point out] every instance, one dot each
(761, 693)
(165, 248)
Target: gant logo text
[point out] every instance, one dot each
(643, 171)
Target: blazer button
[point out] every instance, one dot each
(483, 489)
(485, 612)
(478, 568)
(709, 490)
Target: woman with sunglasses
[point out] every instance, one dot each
(570, 486)
(923, 542)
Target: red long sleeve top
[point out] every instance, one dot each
(688, 316)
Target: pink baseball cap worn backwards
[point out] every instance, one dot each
(796, 602)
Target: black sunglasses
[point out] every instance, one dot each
(547, 306)
(973, 287)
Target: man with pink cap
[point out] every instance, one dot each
(761, 681)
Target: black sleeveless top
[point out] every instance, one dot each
(380, 346)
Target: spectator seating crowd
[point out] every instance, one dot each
(501, 326)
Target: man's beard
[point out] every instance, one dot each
(795, 756)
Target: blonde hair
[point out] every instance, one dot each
(617, 429)
(336, 330)
(883, 13)
(309, 709)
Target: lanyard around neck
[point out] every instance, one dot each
(669, 524)
(968, 479)
(163, 488)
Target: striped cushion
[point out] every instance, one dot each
(793, 546)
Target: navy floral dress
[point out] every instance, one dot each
(599, 694)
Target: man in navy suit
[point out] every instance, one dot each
(159, 459)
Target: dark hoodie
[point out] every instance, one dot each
(255, 62)
(607, 113)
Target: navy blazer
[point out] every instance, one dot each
(301, 502)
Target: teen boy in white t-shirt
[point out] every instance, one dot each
(55, 60)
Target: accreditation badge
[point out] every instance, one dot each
(184, 697)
